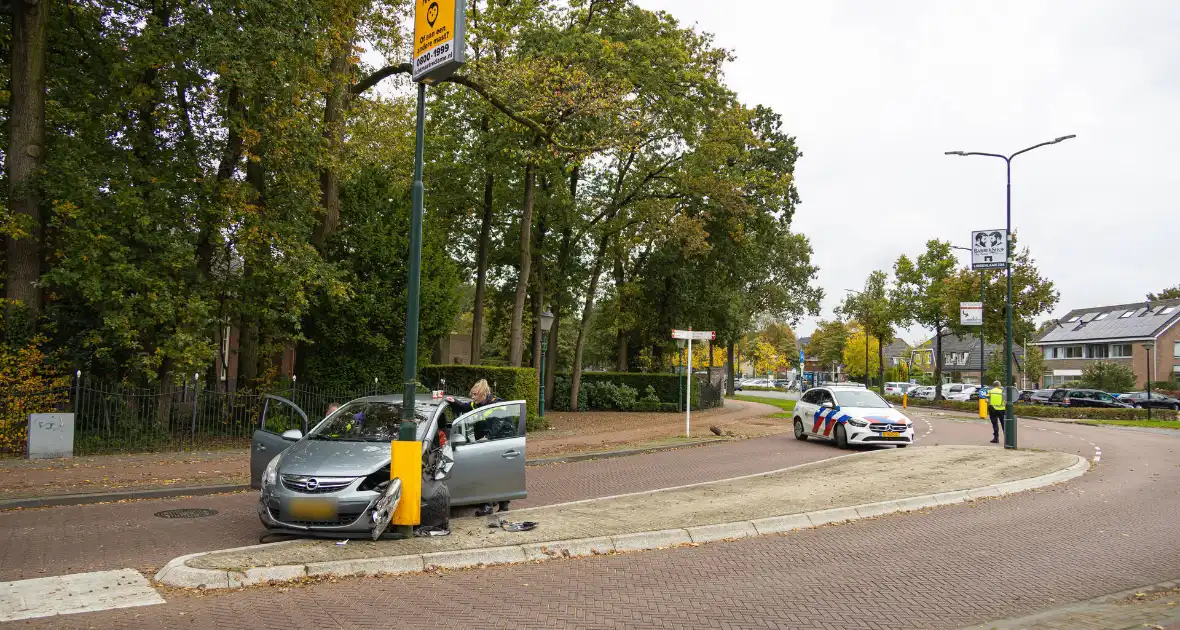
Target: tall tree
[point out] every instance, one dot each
(25, 157)
(828, 341)
(876, 313)
(921, 295)
(1033, 296)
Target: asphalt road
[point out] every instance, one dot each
(1112, 529)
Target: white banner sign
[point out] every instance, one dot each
(971, 313)
(989, 249)
(696, 335)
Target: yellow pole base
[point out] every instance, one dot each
(406, 464)
(983, 409)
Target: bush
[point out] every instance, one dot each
(508, 383)
(1108, 377)
(759, 388)
(1047, 411)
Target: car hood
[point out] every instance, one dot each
(325, 458)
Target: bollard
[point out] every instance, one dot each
(983, 408)
(406, 464)
(904, 400)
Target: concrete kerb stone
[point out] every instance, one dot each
(368, 566)
(178, 573)
(643, 541)
(780, 524)
(569, 548)
(722, 531)
(465, 558)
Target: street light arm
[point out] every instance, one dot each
(995, 155)
(1043, 144)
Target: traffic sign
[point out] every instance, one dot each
(696, 335)
(970, 313)
(989, 249)
(439, 43)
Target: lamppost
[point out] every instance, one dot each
(546, 324)
(865, 330)
(1009, 416)
(982, 350)
(1147, 401)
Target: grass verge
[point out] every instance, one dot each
(1148, 424)
(786, 405)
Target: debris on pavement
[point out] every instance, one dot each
(510, 526)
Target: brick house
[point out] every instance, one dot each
(961, 359)
(1117, 334)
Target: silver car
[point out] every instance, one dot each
(329, 480)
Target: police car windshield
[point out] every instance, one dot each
(859, 398)
(363, 421)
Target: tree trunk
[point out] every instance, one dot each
(729, 368)
(335, 103)
(516, 336)
(538, 291)
(559, 295)
(481, 259)
(587, 313)
(881, 364)
(551, 360)
(621, 335)
(25, 153)
(937, 361)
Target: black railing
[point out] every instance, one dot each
(116, 418)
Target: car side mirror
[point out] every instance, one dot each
(458, 438)
(293, 435)
(828, 405)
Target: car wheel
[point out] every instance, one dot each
(799, 434)
(1138, 406)
(436, 504)
(1175, 407)
(841, 437)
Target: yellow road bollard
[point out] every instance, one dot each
(983, 408)
(406, 464)
(904, 400)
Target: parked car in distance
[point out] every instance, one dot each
(1025, 396)
(1157, 401)
(1040, 396)
(925, 392)
(893, 388)
(1070, 397)
(965, 394)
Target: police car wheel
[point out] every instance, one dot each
(799, 434)
(841, 437)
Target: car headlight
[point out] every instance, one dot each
(270, 476)
(858, 423)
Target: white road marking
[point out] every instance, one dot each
(77, 593)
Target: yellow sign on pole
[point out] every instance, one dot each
(439, 42)
(406, 463)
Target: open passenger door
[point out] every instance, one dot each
(280, 424)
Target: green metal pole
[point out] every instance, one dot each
(544, 349)
(1009, 408)
(410, 368)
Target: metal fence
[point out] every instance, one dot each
(115, 418)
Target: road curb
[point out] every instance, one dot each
(178, 573)
(104, 497)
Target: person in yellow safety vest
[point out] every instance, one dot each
(995, 410)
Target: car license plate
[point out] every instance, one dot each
(891, 434)
(312, 509)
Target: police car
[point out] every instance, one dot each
(851, 414)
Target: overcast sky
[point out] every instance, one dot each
(876, 92)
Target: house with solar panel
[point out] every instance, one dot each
(1144, 336)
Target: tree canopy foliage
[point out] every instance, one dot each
(226, 183)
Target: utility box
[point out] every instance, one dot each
(51, 435)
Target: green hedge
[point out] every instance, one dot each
(752, 388)
(1046, 411)
(624, 391)
(508, 383)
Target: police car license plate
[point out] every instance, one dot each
(891, 434)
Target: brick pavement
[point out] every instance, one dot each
(948, 567)
(55, 541)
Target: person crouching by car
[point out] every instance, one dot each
(481, 396)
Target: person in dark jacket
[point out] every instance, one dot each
(481, 395)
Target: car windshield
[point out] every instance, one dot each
(860, 398)
(368, 421)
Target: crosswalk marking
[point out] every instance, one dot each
(77, 593)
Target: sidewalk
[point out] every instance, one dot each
(802, 496)
(112, 477)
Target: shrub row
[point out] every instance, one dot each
(1046, 411)
(623, 391)
(509, 383)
